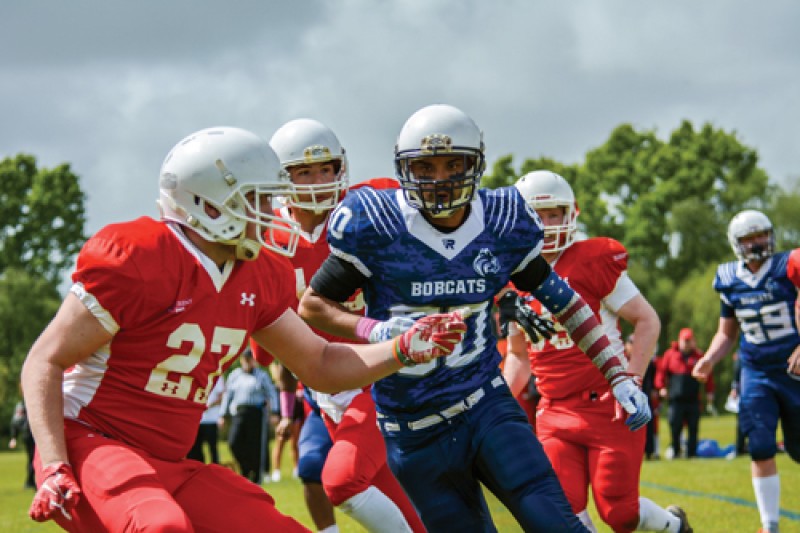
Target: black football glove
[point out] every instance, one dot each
(513, 308)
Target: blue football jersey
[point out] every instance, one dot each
(763, 303)
(413, 269)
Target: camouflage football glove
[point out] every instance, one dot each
(514, 309)
(431, 336)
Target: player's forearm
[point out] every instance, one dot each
(645, 336)
(42, 385)
(349, 366)
(517, 368)
(327, 315)
(583, 326)
(720, 345)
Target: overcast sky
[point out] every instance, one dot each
(110, 86)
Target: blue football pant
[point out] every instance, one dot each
(313, 445)
(769, 396)
(441, 469)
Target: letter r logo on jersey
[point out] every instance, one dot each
(449, 244)
(248, 299)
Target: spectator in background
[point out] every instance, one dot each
(247, 398)
(208, 431)
(675, 382)
(651, 445)
(21, 430)
(290, 419)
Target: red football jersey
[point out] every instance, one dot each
(312, 250)
(793, 267)
(593, 269)
(178, 323)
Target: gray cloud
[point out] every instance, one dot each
(111, 86)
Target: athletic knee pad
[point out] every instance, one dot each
(762, 445)
(309, 466)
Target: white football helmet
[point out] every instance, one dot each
(234, 172)
(543, 189)
(439, 130)
(749, 222)
(304, 141)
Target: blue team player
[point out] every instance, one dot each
(440, 243)
(758, 299)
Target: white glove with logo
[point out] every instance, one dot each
(628, 392)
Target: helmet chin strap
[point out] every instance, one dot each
(247, 249)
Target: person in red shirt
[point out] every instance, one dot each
(355, 477)
(578, 419)
(676, 384)
(116, 384)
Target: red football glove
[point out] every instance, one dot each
(59, 491)
(430, 337)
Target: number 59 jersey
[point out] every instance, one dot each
(178, 323)
(414, 269)
(763, 303)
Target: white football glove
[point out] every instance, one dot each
(630, 397)
(389, 329)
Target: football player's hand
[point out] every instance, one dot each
(628, 392)
(514, 309)
(58, 493)
(430, 337)
(702, 369)
(389, 329)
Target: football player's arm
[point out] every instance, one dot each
(72, 336)
(585, 330)
(722, 342)
(573, 313)
(646, 327)
(517, 367)
(334, 282)
(334, 367)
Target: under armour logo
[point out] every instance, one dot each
(449, 244)
(169, 388)
(248, 299)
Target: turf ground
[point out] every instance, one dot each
(716, 493)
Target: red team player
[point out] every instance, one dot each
(793, 271)
(578, 421)
(355, 477)
(116, 384)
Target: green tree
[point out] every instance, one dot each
(27, 303)
(41, 229)
(669, 202)
(41, 217)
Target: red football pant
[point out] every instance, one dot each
(126, 489)
(358, 460)
(587, 447)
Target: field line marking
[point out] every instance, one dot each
(791, 515)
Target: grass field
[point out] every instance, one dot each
(716, 493)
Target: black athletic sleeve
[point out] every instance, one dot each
(529, 278)
(337, 279)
